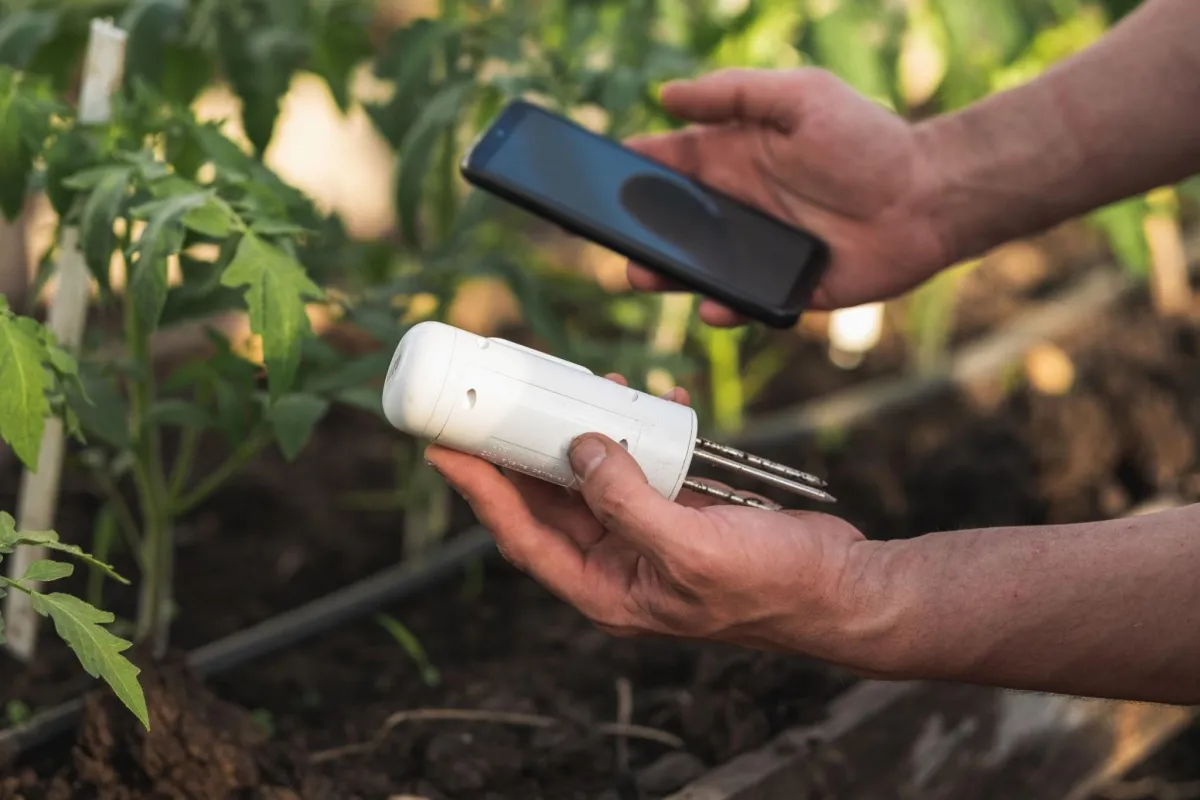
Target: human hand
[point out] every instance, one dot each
(802, 145)
(636, 563)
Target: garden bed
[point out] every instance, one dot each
(304, 722)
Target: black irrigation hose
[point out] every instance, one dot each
(348, 604)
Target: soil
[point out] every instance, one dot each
(1127, 429)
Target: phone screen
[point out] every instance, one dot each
(633, 199)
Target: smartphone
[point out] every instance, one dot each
(596, 188)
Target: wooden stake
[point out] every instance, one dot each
(103, 70)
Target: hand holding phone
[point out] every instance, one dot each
(686, 231)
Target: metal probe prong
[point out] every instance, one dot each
(760, 462)
(766, 477)
(721, 494)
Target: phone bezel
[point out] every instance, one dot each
(784, 315)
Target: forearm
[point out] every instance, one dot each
(1115, 120)
(1107, 609)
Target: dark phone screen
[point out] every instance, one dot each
(617, 191)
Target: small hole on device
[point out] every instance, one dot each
(471, 397)
(625, 443)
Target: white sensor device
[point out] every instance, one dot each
(522, 409)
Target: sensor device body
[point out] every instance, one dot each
(521, 409)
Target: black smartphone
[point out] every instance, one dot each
(597, 188)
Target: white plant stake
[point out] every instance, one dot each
(521, 409)
(103, 69)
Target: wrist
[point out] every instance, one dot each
(1003, 168)
(876, 633)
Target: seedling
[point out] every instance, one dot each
(412, 646)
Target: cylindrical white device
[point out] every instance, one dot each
(521, 409)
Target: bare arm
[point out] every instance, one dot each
(1115, 120)
(1109, 609)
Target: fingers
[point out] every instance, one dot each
(764, 97)
(712, 312)
(718, 316)
(677, 395)
(645, 280)
(532, 547)
(559, 509)
(616, 490)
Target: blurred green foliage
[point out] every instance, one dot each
(451, 71)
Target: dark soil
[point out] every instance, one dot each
(1128, 429)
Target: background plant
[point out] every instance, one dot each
(35, 379)
(152, 190)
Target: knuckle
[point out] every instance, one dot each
(817, 77)
(612, 503)
(513, 557)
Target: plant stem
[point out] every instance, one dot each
(447, 199)
(189, 440)
(122, 510)
(228, 468)
(157, 550)
(447, 205)
(181, 470)
(14, 584)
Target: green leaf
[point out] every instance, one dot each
(1123, 225)
(416, 153)
(344, 374)
(16, 155)
(200, 294)
(71, 155)
(215, 218)
(8, 533)
(100, 211)
(273, 227)
(22, 34)
(259, 61)
(23, 403)
(162, 237)
(99, 651)
(49, 540)
(180, 414)
(343, 41)
(362, 397)
(45, 571)
(156, 30)
(293, 419)
(840, 43)
(61, 361)
(407, 61)
(411, 645)
(100, 407)
(277, 288)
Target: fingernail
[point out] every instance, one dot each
(669, 395)
(586, 455)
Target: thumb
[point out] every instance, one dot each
(763, 97)
(618, 494)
